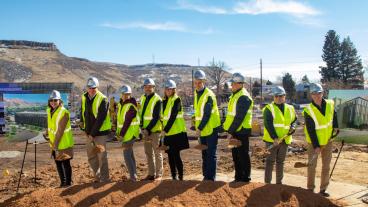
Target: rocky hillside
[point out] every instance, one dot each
(27, 61)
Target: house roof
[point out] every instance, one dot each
(346, 95)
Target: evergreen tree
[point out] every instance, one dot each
(351, 67)
(305, 79)
(331, 55)
(256, 89)
(269, 83)
(289, 85)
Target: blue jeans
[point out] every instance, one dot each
(209, 158)
(130, 162)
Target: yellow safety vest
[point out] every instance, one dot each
(179, 124)
(66, 140)
(133, 130)
(281, 121)
(148, 114)
(214, 121)
(323, 124)
(95, 105)
(231, 111)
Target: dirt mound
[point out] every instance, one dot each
(171, 193)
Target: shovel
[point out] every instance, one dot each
(304, 164)
(234, 143)
(162, 146)
(200, 146)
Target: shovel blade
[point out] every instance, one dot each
(300, 165)
(200, 147)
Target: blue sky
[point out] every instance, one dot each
(288, 35)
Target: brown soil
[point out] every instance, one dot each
(172, 193)
(185, 193)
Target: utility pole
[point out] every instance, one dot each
(261, 82)
(153, 59)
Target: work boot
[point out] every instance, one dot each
(180, 177)
(324, 193)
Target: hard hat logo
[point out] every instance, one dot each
(170, 84)
(92, 82)
(316, 88)
(149, 82)
(199, 75)
(55, 95)
(278, 91)
(238, 78)
(125, 89)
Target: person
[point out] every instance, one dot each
(60, 137)
(95, 121)
(320, 125)
(128, 128)
(150, 115)
(174, 129)
(279, 121)
(238, 124)
(207, 123)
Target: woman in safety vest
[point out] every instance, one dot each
(128, 128)
(174, 130)
(60, 137)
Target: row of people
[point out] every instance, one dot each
(162, 124)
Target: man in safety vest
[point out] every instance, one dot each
(320, 125)
(150, 115)
(95, 121)
(238, 124)
(207, 121)
(279, 121)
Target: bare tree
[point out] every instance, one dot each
(217, 73)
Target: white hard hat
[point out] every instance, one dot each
(92, 82)
(278, 91)
(125, 89)
(55, 95)
(237, 78)
(315, 88)
(148, 82)
(170, 84)
(199, 75)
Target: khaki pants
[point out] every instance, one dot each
(277, 154)
(98, 161)
(153, 154)
(326, 154)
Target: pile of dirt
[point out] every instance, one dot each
(172, 193)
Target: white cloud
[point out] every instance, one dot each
(256, 7)
(182, 4)
(163, 26)
(302, 13)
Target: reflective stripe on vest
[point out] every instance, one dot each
(231, 111)
(179, 123)
(66, 141)
(99, 97)
(148, 113)
(323, 123)
(281, 122)
(133, 129)
(199, 105)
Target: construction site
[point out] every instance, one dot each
(184, 103)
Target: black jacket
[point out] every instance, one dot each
(311, 127)
(268, 121)
(92, 124)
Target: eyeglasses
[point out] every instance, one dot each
(279, 96)
(54, 100)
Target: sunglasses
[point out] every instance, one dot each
(54, 100)
(279, 96)
(92, 88)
